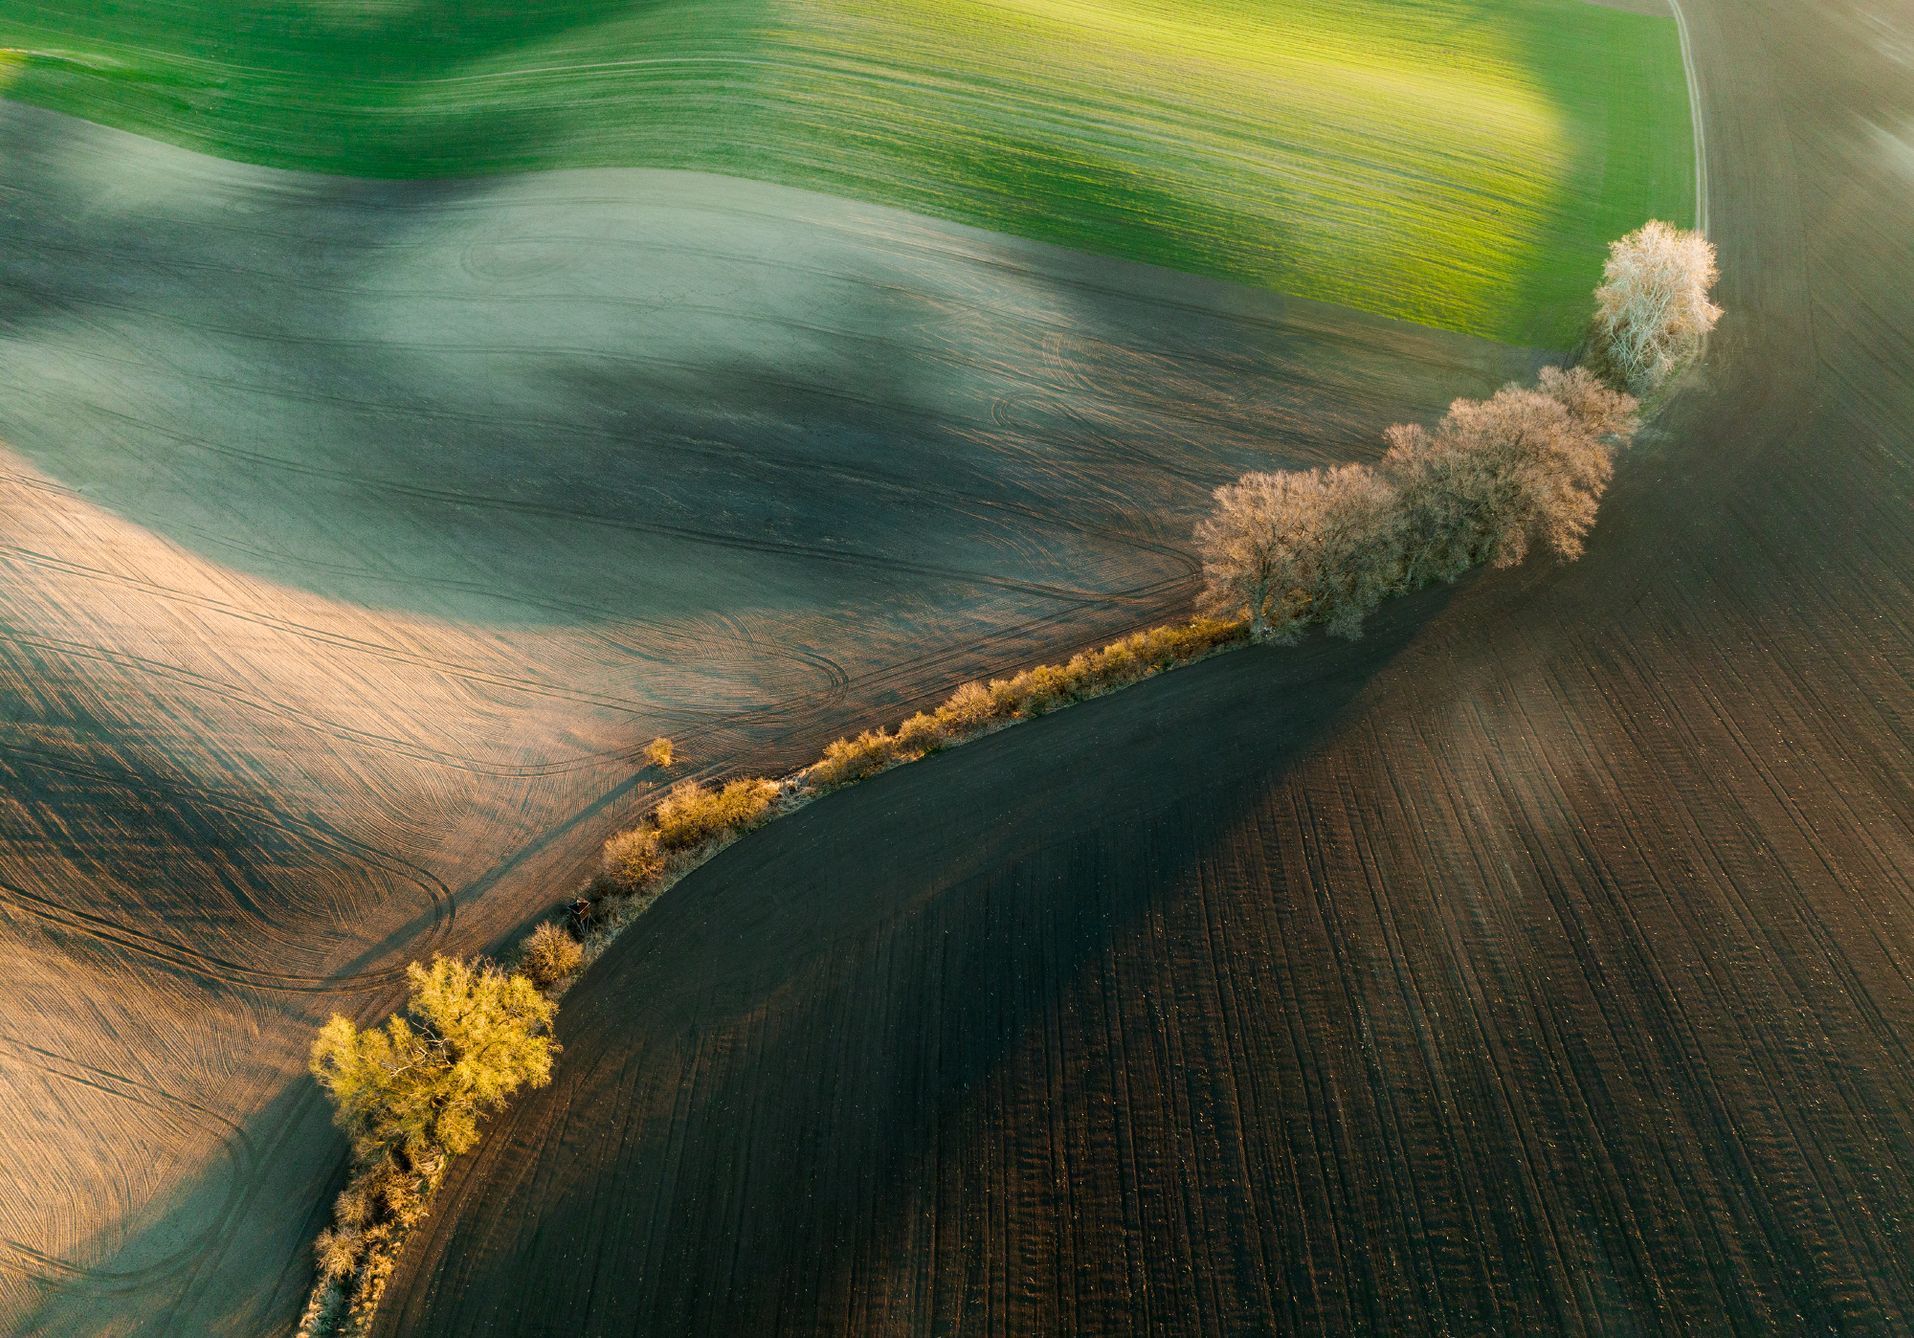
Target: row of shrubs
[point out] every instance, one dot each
(1489, 483)
(976, 708)
(410, 1092)
(694, 821)
(685, 825)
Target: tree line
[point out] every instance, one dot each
(1489, 483)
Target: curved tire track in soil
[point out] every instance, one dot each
(237, 1146)
(436, 896)
(58, 912)
(1541, 964)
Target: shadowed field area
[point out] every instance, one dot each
(1458, 163)
(355, 538)
(1544, 963)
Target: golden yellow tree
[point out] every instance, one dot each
(416, 1086)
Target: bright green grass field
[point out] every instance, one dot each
(1460, 163)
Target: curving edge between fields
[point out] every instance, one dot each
(1019, 700)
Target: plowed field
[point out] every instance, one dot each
(1545, 963)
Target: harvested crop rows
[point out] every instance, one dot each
(355, 537)
(1544, 963)
(1460, 163)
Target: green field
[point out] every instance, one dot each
(1460, 163)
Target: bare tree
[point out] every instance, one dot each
(1297, 547)
(1242, 549)
(1653, 306)
(1597, 408)
(1356, 563)
(1497, 476)
(1489, 482)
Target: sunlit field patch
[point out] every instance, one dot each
(1459, 163)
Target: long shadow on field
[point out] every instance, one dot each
(253, 1212)
(1117, 207)
(435, 397)
(309, 350)
(408, 44)
(113, 846)
(476, 399)
(1557, 277)
(756, 1074)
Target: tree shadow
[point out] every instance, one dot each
(1639, 166)
(220, 1255)
(759, 1075)
(241, 80)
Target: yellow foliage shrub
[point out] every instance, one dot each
(968, 709)
(846, 760)
(692, 814)
(920, 734)
(355, 1206)
(338, 1252)
(633, 859)
(1045, 687)
(551, 954)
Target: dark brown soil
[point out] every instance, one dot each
(1545, 963)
